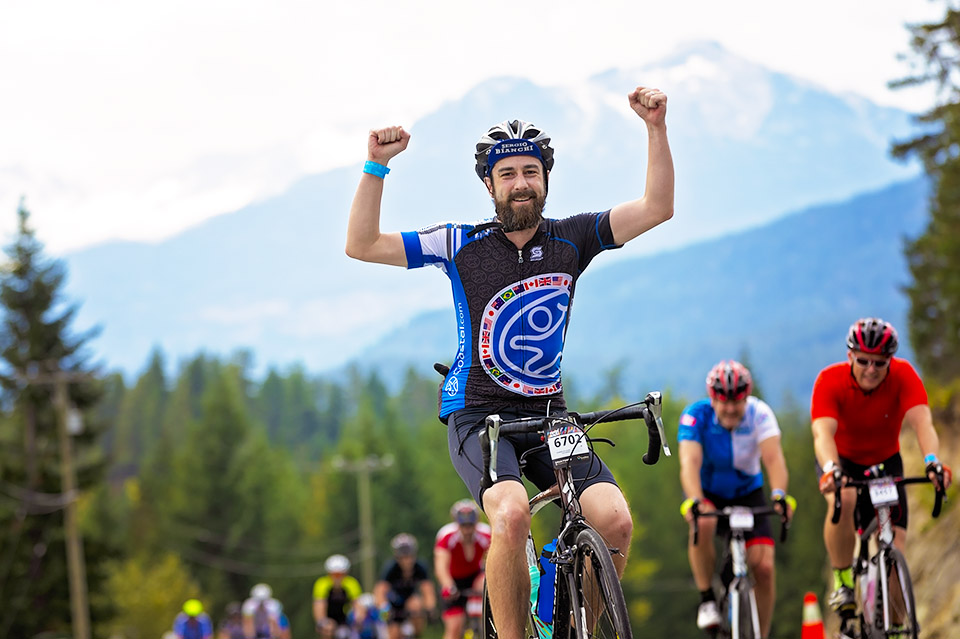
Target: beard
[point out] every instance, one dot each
(519, 217)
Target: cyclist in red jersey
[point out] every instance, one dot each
(458, 562)
(858, 409)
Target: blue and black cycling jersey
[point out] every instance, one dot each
(512, 305)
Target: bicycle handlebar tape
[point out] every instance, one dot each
(652, 456)
(485, 481)
(812, 627)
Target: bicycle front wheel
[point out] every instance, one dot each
(597, 605)
(744, 620)
(897, 612)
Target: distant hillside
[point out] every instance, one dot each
(748, 144)
(783, 293)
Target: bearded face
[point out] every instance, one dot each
(519, 210)
(518, 187)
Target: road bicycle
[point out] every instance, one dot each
(885, 605)
(738, 602)
(587, 597)
(473, 611)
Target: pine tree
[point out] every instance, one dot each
(37, 347)
(934, 256)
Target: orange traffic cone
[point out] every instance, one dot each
(812, 620)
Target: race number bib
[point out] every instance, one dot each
(883, 492)
(741, 519)
(566, 442)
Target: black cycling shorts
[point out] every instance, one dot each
(761, 533)
(892, 467)
(464, 425)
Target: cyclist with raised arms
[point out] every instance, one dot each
(404, 590)
(513, 280)
(858, 409)
(458, 563)
(722, 441)
(333, 596)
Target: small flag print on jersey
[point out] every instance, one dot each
(688, 420)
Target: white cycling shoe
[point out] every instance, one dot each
(708, 616)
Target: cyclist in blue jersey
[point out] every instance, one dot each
(193, 622)
(513, 278)
(723, 441)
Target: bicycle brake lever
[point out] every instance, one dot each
(654, 402)
(493, 432)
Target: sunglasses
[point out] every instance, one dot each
(867, 363)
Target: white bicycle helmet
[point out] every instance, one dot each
(512, 130)
(337, 563)
(261, 592)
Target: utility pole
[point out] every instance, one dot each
(364, 467)
(69, 423)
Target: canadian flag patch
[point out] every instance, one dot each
(688, 420)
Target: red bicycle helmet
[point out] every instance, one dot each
(873, 335)
(729, 381)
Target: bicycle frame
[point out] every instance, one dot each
(740, 520)
(567, 441)
(884, 494)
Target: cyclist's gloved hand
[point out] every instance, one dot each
(939, 474)
(449, 593)
(785, 504)
(830, 478)
(694, 504)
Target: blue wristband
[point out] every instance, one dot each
(375, 168)
(930, 459)
(778, 493)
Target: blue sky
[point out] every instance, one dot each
(135, 120)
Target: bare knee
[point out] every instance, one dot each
(509, 517)
(763, 569)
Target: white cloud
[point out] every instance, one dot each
(134, 120)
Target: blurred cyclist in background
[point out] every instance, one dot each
(231, 626)
(261, 614)
(458, 563)
(405, 590)
(333, 595)
(193, 622)
(364, 620)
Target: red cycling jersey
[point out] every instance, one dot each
(450, 539)
(868, 423)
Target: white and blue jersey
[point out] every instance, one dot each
(512, 305)
(731, 458)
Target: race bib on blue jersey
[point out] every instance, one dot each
(522, 333)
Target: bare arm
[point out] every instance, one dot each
(920, 420)
(691, 459)
(319, 610)
(771, 453)
(380, 591)
(441, 568)
(825, 446)
(630, 219)
(364, 240)
(429, 594)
